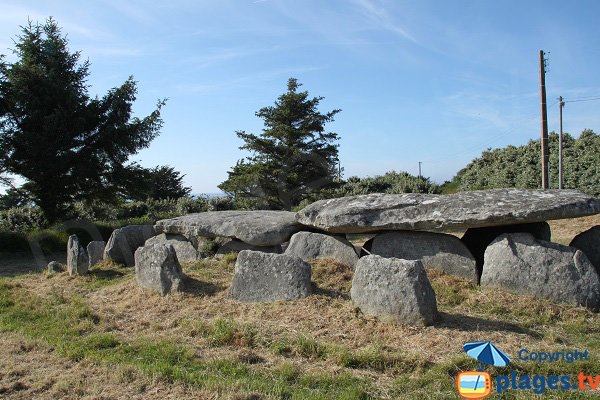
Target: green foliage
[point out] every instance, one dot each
(391, 182)
(22, 219)
(159, 183)
(67, 145)
(293, 157)
(521, 166)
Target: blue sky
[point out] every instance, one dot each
(431, 81)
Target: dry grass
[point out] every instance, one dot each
(322, 335)
(564, 230)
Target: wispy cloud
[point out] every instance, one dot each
(383, 18)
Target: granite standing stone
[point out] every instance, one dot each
(265, 277)
(310, 246)
(55, 267)
(77, 259)
(589, 243)
(394, 290)
(157, 268)
(478, 239)
(184, 249)
(95, 250)
(123, 243)
(520, 263)
(435, 250)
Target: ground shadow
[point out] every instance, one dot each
(105, 274)
(333, 293)
(199, 288)
(467, 323)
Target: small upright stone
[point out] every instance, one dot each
(95, 251)
(55, 267)
(77, 259)
(267, 277)
(394, 290)
(157, 268)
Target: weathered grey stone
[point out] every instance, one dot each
(236, 246)
(55, 267)
(157, 268)
(310, 246)
(184, 249)
(77, 259)
(435, 250)
(123, 243)
(258, 228)
(265, 277)
(589, 243)
(394, 290)
(95, 250)
(478, 239)
(520, 263)
(415, 211)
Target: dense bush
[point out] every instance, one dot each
(22, 219)
(521, 166)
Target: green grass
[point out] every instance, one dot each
(301, 364)
(70, 326)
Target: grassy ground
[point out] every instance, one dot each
(102, 337)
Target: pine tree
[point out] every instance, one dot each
(293, 156)
(66, 145)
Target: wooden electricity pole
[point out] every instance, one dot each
(545, 155)
(561, 104)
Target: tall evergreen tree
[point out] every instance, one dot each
(66, 145)
(293, 156)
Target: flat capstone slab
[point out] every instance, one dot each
(416, 211)
(258, 228)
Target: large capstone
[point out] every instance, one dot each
(478, 239)
(415, 211)
(393, 289)
(589, 243)
(520, 263)
(183, 248)
(123, 243)
(435, 250)
(77, 259)
(258, 228)
(266, 277)
(95, 250)
(310, 246)
(157, 268)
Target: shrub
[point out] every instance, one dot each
(22, 219)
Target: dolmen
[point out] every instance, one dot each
(401, 228)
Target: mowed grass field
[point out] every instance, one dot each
(102, 337)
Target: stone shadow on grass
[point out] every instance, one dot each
(199, 288)
(333, 293)
(105, 274)
(467, 323)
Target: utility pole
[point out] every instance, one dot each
(419, 169)
(561, 104)
(545, 155)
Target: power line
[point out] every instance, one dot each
(576, 101)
